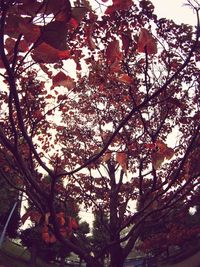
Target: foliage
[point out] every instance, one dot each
(123, 130)
(9, 196)
(47, 252)
(41, 236)
(100, 233)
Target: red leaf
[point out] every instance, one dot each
(30, 31)
(46, 70)
(35, 216)
(47, 236)
(72, 225)
(55, 34)
(113, 53)
(61, 218)
(74, 23)
(25, 216)
(157, 159)
(146, 42)
(63, 231)
(61, 79)
(63, 54)
(45, 53)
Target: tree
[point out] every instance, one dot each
(103, 137)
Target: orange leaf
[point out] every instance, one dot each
(125, 78)
(146, 42)
(61, 79)
(121, 158)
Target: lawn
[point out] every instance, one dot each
(14, 255)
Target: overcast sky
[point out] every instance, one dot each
(174, 9)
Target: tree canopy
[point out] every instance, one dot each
(99, 108)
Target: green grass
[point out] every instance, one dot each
(13, 255)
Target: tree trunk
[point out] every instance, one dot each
(80, 261)
(116, 256)
(93, 263)
(33, 256)
(62, 262)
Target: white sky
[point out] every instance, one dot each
(174, 9)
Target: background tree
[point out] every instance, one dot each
(100, 234)
(9, 196)
(102, 138)
(175, 235)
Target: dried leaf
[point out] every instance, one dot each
(47, 215)
(160, 152)
(157, 159)
(107, 157)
